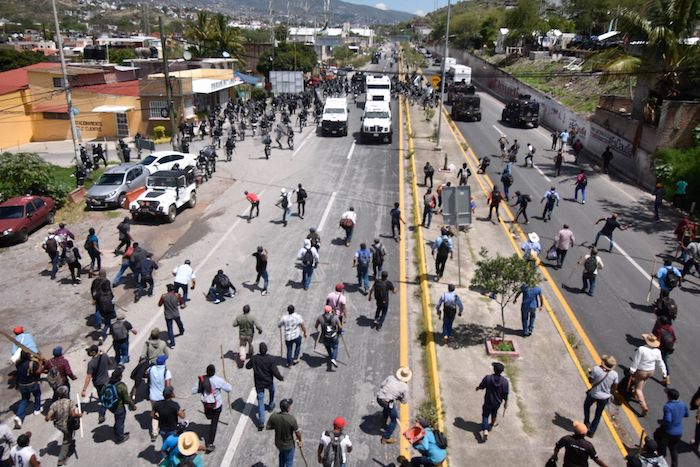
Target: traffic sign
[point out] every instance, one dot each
(435, 80)
(456, 205)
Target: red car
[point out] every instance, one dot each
(21, 215)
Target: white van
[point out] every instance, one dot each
(376, 122)
(378, 88)
(335, 117)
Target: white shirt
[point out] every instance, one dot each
(7, 440)
(598, 261)
(159, 374)
(184, 274)
(314, 253)
(21, 457)
(350, 215)
(344, 443)
(646, 359)
(292, 325)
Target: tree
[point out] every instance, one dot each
(212, 36)
(342, 53)
(502, 277)
(11, 59)
(281, 33)
(118, 56)
(24, 172)
(525, 19)
(288, 56)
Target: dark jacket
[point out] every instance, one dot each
(264, 370)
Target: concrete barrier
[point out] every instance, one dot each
(132, 195)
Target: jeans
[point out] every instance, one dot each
(447, 327)
(440, 265)
(145, 281)
(547, 213)
(265, 278)
(486, 412)
(293, 344)
(389, 411)
(688, 266)
(599, 408)
(119, 418)
(426, 178)
(101, 410)
(255, 206)
(609, 237)
(348, 234)
(664, 440)
(363, 276)
(285, 212)
(380, 313)
(377, 269)
(26, 394)
(301, 209)
(493, 207)
(395, 229)
(506, 190)
(54, 264)
(121, 351)
(589, 283)
(95, 258)
(286, 458)
(213, 415)
(657, 206)
(528, 316)
(261, 403)
(171, 334)
(427, 214)
(306, 273)
(530, 157)
(331, 345)
(118, 278)
(523, 211)
(66, 445)
(107, 326)
(582, 189)
(183, 287)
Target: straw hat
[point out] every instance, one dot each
(188, 443)
(534, 238)
(651, 340)
(404, 374)
(609, 362)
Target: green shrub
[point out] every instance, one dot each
(159, 132)
(27, 173)
(674, 164)
(258, 94)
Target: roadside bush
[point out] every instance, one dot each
(675, 164)
(159, 132)
(26, 173)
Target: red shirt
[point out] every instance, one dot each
(61, 365)
(252, 197)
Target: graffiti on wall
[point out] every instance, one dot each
(617, 144)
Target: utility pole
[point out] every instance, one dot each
(442, 81)
(168, 85)
(272, 32)
(66, 85)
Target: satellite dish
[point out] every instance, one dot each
(187, 55)
(226, 54)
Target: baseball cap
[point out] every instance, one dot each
(339, 287)
(58, 350)
(18, 330)
(92, 349)
(339, 423)
(160, 360)
(285, 404)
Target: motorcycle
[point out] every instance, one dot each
(230, 146)
(203, 167)
(209, 152)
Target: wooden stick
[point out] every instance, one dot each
(651, 279)
(318, 337)
(281, 342)
(80, 412)
(20, 345)
(342, 338)
(303, 456)
(223, 370)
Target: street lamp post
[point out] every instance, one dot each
(442, 81)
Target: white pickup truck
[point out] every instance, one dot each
(166, 192)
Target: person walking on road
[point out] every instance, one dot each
(522, 201)
(692, 253)
(59, 371)
(315, 238)
(611, 223)
(361, 261)
(503, 143)
(184, 274)
(330, 330)
(532, 301)
(347, 222)
(172, 302)
(670, 431)
(580, 185)
(563, 139)
(604, 380)
(428, 172)
(378, 254)
(293, 326)
(334, 446)
(443, 246)
(286, 432)
(264, 373)
(167, 413)
(148, 265)
(396, 221)
(124, 235)
(283, 203)
(607, 156)
(530, 155)
(577, 449)
(73, 257)
(558, 161)
(301, 201)
(159, 379)
(507, 181)
(28, 382)
(451, 304)
(115, 397)
(92, 247)
(664, 332)
(668, 276)
(497, 388)
(392, 392)
(309, 260)
(254, 201)
(428, 206)
(120, 330)
(646, 358)
(338, 302)
(592, 264)
(50, 246)
(246, 325)
(61, 412)
(209, 387)
(261, 256)
(494, 199)
(551, 197)
(380, 289)
(563, 241)
(463, 175)
(555, 137)
(98, 374)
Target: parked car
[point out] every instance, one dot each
(111, 188)
(168, 191)
(21, 215)
(166, 160)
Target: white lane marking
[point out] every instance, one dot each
(644, 273)
(541, 173)
(500, 132)
(302, 144)
(632, 198)
(238, 432)
(352, 149)
(326, 212)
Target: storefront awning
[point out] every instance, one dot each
(247, 78)
(208, 86)
(112, 109)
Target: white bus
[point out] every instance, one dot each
(378, 88)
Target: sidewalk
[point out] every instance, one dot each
(541, 407)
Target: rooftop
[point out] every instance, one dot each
(14, 80)
(124, 88)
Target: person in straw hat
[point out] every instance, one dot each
(603, 379)
(531, 248)
(646, 359)
(577, 449)
(392, 390)
(188, 447)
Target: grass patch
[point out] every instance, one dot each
(64, 175)
(70, 213)
(512, 372)
(112, 214)
(428, 412)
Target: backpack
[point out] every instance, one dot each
(363, 257)
(671, 280)
(440, 439)
(51, 245)
(584, 180)
(109, 397)
(667, 307)
(591, 264)
(70, 256)
(495, 198)
(667, 340)
(332, 453)
(330, 330)
(122, 228)
(378, 254)
(308, 258)
(54, 378)
(301, 194)
(443, 248)
(285, 202)
(527, 198)
(429, 170)
(119, 331)
(509, 179)
(224, 282)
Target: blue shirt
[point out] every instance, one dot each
(674, 413)
(27, 340)
(681, 186)
(530, 297)
(169, 448)
(440, 239)
(93, 241)
(428, 448)
(663, 272)
(450, 298)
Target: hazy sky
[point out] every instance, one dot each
(411, 6)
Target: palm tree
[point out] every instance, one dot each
(198, 31)
(226, 38)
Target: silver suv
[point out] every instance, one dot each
(112, 187)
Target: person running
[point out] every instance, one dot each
(428, 206)
(463, 175)
(380, 289)
(115, 397)
(50, 246)
(428, 172)
(551, 197)
(167, 412)
(58, 372)
(261, 256)
(146, 284)
(246, 325)
(254, 201)
(646, 359)
(120, 330)
(64, 415)
(301, 201)
(309, 260)
(577, 449)
(92, 247)
(124, 235)
(494, 199)
(563, 139)
(172, 302)
(72, 257)
(334, 446)
(286, 431)
(221, 288)
(522, 201)
(183, 275)
(604, 380)
(361, 261)
(558, 161)
(443, 246)
(592, 265)
(264, 373)
(347, 222)
(315, 238)
(564, 240)
(330, 330)
(555, 137)
(611, 223)
(293, 326)
(23, 454)
(530, 155)
(669, 434)
(209, 387)
(497, 388)
(159, 379)
(392, 391)
(668, 276)
(580, 185)
(396, 221)
(507, 181)
(283, 203)
(451, 304)
(532, 301)
(98, 374)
